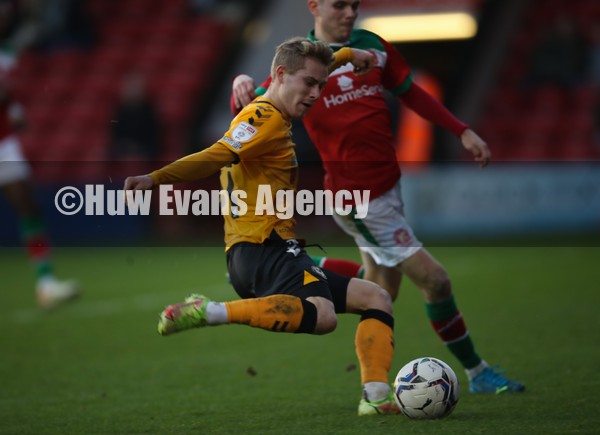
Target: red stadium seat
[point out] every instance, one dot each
(541, 120)
(70, 96)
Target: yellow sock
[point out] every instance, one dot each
(374, 344)
(277, 313)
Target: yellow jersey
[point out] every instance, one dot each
(256, 157)
(261, 138)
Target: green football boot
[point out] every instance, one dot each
(387, 406)
(187, 315)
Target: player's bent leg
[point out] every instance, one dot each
(447, 321)
(443, 313)
(364, 295)
(326, 318)
(276, 313)
(374, 342)
(50, 291)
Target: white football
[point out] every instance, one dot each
(426, 388)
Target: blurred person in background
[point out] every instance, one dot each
(63, 25)
(45, 25)
(202, 6)
(136, 132)
(17, 187)
(15, 34)
(352, 131)
(560, 56)
(9, 23)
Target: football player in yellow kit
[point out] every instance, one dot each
(282, 290)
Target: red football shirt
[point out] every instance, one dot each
(351, 125)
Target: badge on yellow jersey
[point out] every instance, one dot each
(243, 132)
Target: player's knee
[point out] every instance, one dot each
(326, 322)
(326, 318)
(380, 299)
(389, 286)
(392, 292)
(366, 295)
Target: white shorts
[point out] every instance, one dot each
(13, 166)
(383, 233)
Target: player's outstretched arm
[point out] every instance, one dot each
(476, 146)
(189, 168)
(432, 110)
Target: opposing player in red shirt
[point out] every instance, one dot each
(17, 187)
(351, 127)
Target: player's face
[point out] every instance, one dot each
(301, 90)
(334, 19)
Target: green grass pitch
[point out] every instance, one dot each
(98, 366)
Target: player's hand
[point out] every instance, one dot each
(243, 90)
(476, 146)
(363, 61)
(140, 182)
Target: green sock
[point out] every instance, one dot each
(36, 243)
(448, 323)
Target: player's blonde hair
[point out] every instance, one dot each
(293, 52)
